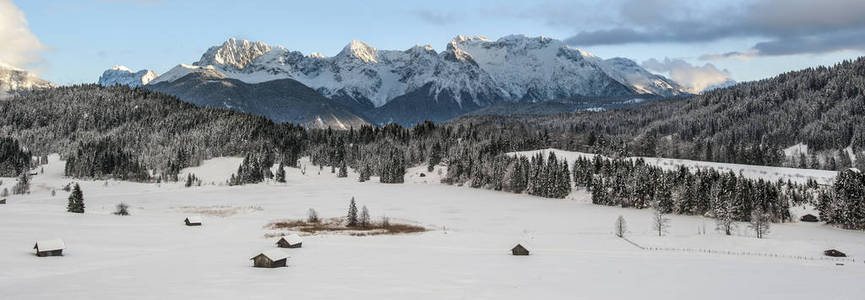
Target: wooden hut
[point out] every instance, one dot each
(809, 218)
(193, 221)
(273, 258)
(834, 253)
(290, 241)
(49, 247)
(519, 249)
(3, 201)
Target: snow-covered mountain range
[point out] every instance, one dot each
(124, 76)
(472, 72)
(13, 80)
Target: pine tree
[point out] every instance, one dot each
(280, 173)
(351, 218)
(343, 170)
(23, 184)
(76, 200)
(312, 216)
(364, 219)
(122, 209)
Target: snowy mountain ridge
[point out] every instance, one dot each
(124, 76)
(513, 68)
(13, 80)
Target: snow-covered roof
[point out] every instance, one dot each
(292, 239)
(855, 170)
(50, 245)
(273, 254)
(194, 219)
(524, 244)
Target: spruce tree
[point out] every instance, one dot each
(351, 218)
(75, 203)
(343, 170)
(280, 173)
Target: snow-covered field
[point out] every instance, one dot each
(151, 255)
(748, 171)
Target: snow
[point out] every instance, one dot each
(274, 254)
(213, 171)
(465, 255)
(50, 245)
(293, 239)
(182, 70)
(768, 173)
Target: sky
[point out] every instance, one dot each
(698, 43)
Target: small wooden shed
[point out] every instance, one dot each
(519, 249)
(3, 201)
(809, 218)
(834, 253)
(273, 258)
(49, 247)
(193, 221)
(290, 241)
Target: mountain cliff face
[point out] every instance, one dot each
(14, 80)
(281, 100)
(124, 76)
(472, 72)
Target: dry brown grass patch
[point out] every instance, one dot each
(336, 225)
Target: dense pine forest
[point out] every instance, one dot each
(136, 134)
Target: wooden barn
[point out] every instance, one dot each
(273, 258)
(3, 201)
(519, 249)
(290, 241)
(809, 218)
(193, 221)
(49, 247)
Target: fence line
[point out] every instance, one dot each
(748, 253)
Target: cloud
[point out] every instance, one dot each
(695, 78)
(436, 18)
(19, 46)
(786, 26)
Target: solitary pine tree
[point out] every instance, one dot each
(76, 201)
(343, 170)
(280, 173)
(352, 213)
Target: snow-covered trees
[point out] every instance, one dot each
(364, 219)
(280, 173)
(254, 169)
(660, 222)
(759, 223)
(312, 216)
(22, 185)
(13, 160)
(844, 204)
(343, 170)
(351, 217)
(75, 202)
(192, 180)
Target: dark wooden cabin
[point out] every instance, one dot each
(2, 201)
(809, 218)
(834, 253)
(192, 221)
(519, 250)
(49, 247)
(290, 241)
(273, 258)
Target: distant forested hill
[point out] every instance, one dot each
(119, 131)
(822, 107)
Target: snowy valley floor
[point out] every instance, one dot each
(465, 255)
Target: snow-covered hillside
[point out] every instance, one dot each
(151, 255)
(748, 171)
(124, 76)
